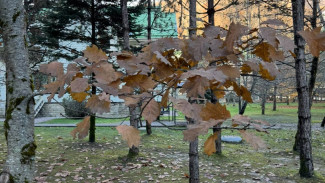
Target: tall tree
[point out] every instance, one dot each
(304, 116)
(19, 122)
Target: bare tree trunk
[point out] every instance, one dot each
(92, 126)
(148, 128)
(263, 104)
(323, 123)
(149, 20)
(125, 22)
(304, 116)
(211, 11)
(193, 147)
(243, 107)
(19, 122)
(134, 151)
(288, 100)
(274, 96)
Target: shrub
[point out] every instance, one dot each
(73, 108)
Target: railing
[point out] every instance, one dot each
(39, 102)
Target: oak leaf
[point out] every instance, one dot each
(79, 85)
(164, 99)
(195, 86)
(94, 54)
(230, 71)
(214, 111)
(151, 111)
(98, 106)
(144, 82)
(130, 134)
(188, 109)
(262, 51)
(54, 69)
(193, 131)
(268, 34)
(286, 43)
(105, 73)
(234, 33)
(315, 40)
(82, 129)
(210, 143)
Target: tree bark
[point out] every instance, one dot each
(304, 116)
(288, 100)
(243, 107)
(211, 11)
(274, 96)
(19, 122)
(193, 147)
(149, 20)
(92, 126)
(263, 101)
(125, 22)
(148, 128)
(133, 151)
(323, 123)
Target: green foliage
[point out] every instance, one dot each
(73, 108)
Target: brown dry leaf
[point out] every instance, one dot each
(268, 70)
(210, 74)
(195, 86)
(98, 106)
(130, 134)
(164, 99)
(79, 85)
(193, 131)
(160, 57)
(105, 73)
(286, 43)
(151, 111)
(214, 31)
(253, 64)
(254, 141)
(210, 143)
(233, 58)
(53, 88)
(82, 129)
(189, 110)
(162, 71)
(54, 69)
(214, 111)
(94, 54)
(104, 97)
(230, 71)
(276, 55)
(274, 22)
(234, 33)
(315, 40)
(112, 88)
(268, 34)
(245, 94)
(144, 82)
(262, 51)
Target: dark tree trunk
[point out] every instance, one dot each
(19, 119)
(243, 107)
(304, 116)
(148, 128)
(323, 123)
(274, 97)
(193, 147)
(125, 22)
(92, 126)
(211, 11)
(263, 105)
(288, 100)
(134, 151)
(149, 20)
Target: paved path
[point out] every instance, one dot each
(279, 126)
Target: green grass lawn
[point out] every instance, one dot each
(164, 158)
(283, 114)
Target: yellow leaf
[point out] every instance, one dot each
(210, 144)
(214, 111)
(130, 134)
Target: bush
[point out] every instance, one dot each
(73, 108)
